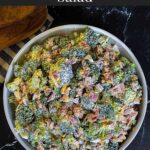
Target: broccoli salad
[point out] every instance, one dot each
(74, 91)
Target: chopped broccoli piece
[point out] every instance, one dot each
(91, 37)
(17, 70)
(78, 76)
(14, 85)
(62, 41)
(129, 71)
(40, 133)
(40, 113)
(60, 73)
(72, 92)
(57, 92)
(106, 111)
(65, 127)
(92, 132)
(86, 103)
(43, 99)
(45, 65)
(117, 65)
(44, 139)
(118, 77)
(37, 81)
(75, 52)
(58, 144)
(66, 74)
(116, 104)
(95, 72)
(35, 53)
(26, 71)
(125, 60)
(129, 96)
(112, 146)
(24, 114)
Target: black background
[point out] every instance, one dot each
(130, 24)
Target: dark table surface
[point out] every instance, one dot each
(131, 25)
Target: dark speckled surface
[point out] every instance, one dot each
(131, 25)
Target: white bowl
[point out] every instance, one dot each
(125, 51)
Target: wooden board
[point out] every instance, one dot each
(20, 22)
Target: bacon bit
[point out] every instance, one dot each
(40, 147)
(74, 120)
(129, 111)
(118, 89)
(84, 44)
(92, 117)
(93, 96)
(55, 75)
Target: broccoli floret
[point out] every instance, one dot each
(129, 96)
(45, 65)
(92, 132)
(91, 37)
(112, 146)
(106, 86)
(14, 85)
(43, 99)
(75, 52)
(62, 41)
(129, 71)
(37, 82)
(72, 92)
(59, 144)
(24, 114)
(40, 133)
(63, 72)
(117, 65)
(35, 53)
(65, 127)
(46, 142)
(125, 61)
(44, 139)
(118, 77)
(95, 72)
(116, 104)
(40, 113)
(70, 143)
(26, 71)
(106, 111)
(86, 103)
(57, 92)
(17, 70)
(66, 74)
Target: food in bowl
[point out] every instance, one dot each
(75, 91)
